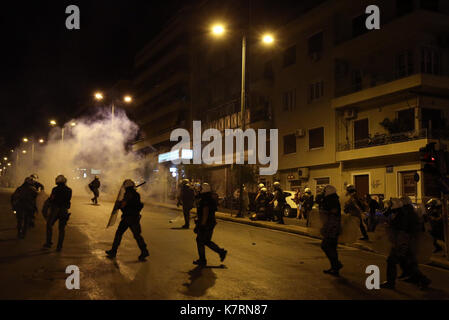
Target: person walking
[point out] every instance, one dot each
(131, 206)
(355, 207)
(60, 198)
(39, 188)
(403, 225)
(331, 216)
(434, 217)
(307, 204)
(23, 202)
(94, 186)
(205, 225)
(186, 198)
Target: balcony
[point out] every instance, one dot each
(381, 145)
(387, 87)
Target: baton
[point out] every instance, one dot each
(141, 184)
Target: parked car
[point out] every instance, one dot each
(290, 208)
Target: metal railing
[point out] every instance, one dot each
(381, 139)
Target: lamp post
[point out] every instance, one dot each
(126, 99)
(219, 30)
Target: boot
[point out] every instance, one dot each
(111, 253)
(223, 255)
(387, 285)
(200, 263)
(143, 255)
(332, 272)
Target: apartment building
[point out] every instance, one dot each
(336, 82)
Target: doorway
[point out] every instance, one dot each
(361, 183)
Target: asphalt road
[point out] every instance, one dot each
(261, 263)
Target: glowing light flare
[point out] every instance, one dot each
(218, 30)
(99, 96)
(128, 99)
(53, 122)
(268, 39)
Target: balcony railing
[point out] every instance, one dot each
(384, 139)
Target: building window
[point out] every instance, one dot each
(289, 144)
(431, 119)
(432, 5)
(316, 44)
(316, 138)
(404, 64)
(409, 185)
(404, 7)
(289, 100)
(316, 91)
(361, 133)
(290, 56)
(430, 61)
(407, 119)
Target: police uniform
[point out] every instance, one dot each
(23, 201)
(207, 206)
(60, 198)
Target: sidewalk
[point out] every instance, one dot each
(297, 227)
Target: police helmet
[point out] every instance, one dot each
(261, 185)
(350, 188)
(329, 190)
(185, 181)
(434, 203)
(276, 185)
(308, 191)
(61, 179)
(29, 180)
(264, 189)
(34, 176)
(205, 188)
(128, 183)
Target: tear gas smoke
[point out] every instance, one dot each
(97, 143)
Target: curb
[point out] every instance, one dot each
(290, 229)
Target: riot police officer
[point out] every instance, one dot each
(355, 207)
(279, 202)
(205, 225)
(23, 202)
(186, 198)
(94, 186)
(60, 198)
(434, 217)
(131, 207)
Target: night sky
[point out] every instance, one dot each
(50, 72)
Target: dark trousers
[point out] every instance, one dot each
(55, 215)
(96, 195)
(402, 255)
(23, 220)
(186, 211)
(203, 239)
(329, 246)
(134, 224)
(279, 213)
(362, 229)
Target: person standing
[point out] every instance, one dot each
(331, 215)
(94, 186)
(23, 202)
(186, 198)
(307, 204)
(131, 206)
(279, 202)
(39, 188)
(60, 198)
(205, 225)
(355, 207)
(434, 216)
(373, 207)
(403, 225)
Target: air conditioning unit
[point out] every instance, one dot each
(350, 114)
(299, 133)
(303, 173)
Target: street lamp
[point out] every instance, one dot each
(100, 97)
(218, 30)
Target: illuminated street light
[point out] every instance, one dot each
(41, 140)
(24, 151)
(25, 140)
(5, 158)
(99, 96)
(218, 30)
(268, 39)
(128, 99)
(73, 124)
(53, 122)
(9, 164)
